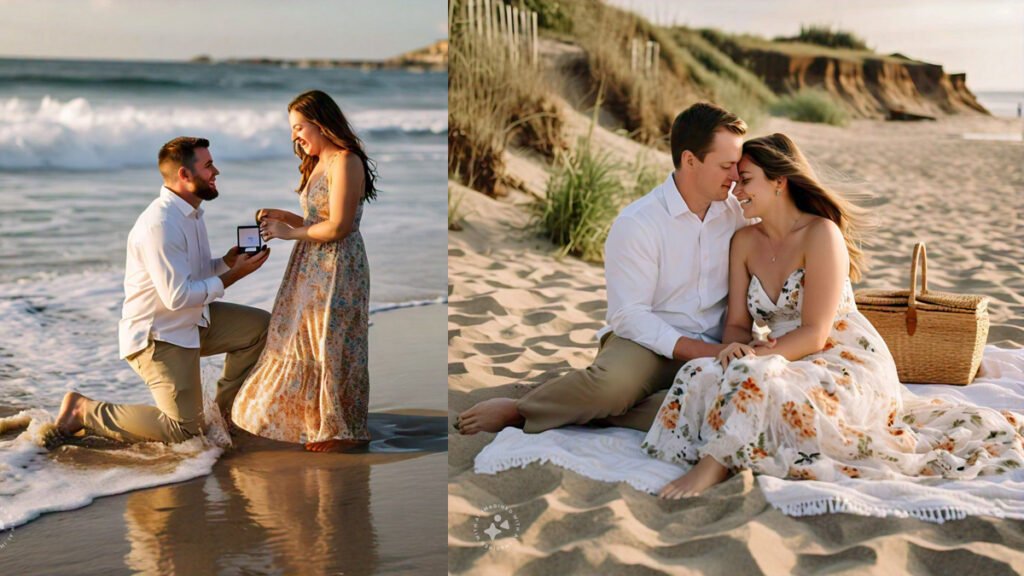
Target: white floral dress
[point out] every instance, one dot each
(838, 413)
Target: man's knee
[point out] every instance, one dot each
(262, 321)
(264, 317)
(257, 317)
(256, 322)
(615, 390)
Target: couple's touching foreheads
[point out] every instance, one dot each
(743, 235)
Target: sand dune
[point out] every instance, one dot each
(517, 316)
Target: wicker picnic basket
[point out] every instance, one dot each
(935, 337)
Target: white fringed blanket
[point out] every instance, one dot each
(614, 455)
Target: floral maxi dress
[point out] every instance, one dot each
(838, 413)
(311, 384)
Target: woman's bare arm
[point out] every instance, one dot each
(737, 318)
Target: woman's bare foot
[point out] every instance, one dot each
(704, 475)
(489, 416)
(69, 419)
(335, 445)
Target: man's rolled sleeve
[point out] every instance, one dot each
(214, 289)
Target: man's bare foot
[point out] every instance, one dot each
(335, 445)
(704, 475)
(489, 416)
(69, 419)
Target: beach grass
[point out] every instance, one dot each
(581, 202)
(734, 87)
(585, 193)
(455, 214)
(493, 100)
(688, 69)
(645, 176)
(812, 105)
(823, 35)
(645, 101)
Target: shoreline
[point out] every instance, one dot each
(273, 507)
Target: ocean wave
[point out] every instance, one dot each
(133, 77)
(58, 80)
(135, 83)
(76, 135)
(376, 308)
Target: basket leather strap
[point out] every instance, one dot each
(920, 256)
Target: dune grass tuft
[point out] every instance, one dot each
(582, 199)
(822, 35)
(585, 193)
(493, 100)
(812, 105)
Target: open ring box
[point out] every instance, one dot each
(249, 239)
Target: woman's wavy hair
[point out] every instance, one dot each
(321, 110)
(779, 156)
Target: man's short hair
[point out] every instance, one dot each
(694, 129)
(179, 152)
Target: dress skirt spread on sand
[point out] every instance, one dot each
(311, 383)
(838, 413)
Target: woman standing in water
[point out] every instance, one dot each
(311, 384)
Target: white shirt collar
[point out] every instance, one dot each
(673, 198)
(186, 209)
(676, 205)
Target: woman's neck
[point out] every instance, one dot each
(328, 150)
(779, 223)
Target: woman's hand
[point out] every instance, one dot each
(290, 218)
(270, 229)
(735, 351)
(763, 347)
(272, 213)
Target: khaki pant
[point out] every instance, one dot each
(172, 374)
(623, 387)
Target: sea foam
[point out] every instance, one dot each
(77, 135)
(34, 480)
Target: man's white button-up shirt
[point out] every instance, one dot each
(667, 271)
(169, 278)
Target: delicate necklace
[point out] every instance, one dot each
(775, 251)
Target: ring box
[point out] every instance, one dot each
(249, 239)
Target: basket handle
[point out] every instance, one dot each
(920, 255)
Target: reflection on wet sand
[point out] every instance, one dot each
(267, 507)
(271, 507)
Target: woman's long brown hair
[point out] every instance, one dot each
(778, 156)
(320, 109)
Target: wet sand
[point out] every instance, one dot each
(272, 508)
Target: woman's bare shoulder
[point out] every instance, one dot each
(747, 235)
(821, 227)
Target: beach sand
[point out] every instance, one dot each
(518, 316)
(272, 508)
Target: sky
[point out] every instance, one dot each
(182, 29)
(984, 38)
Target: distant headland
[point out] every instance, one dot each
(433, 58)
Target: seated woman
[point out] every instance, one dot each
(824, 402)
